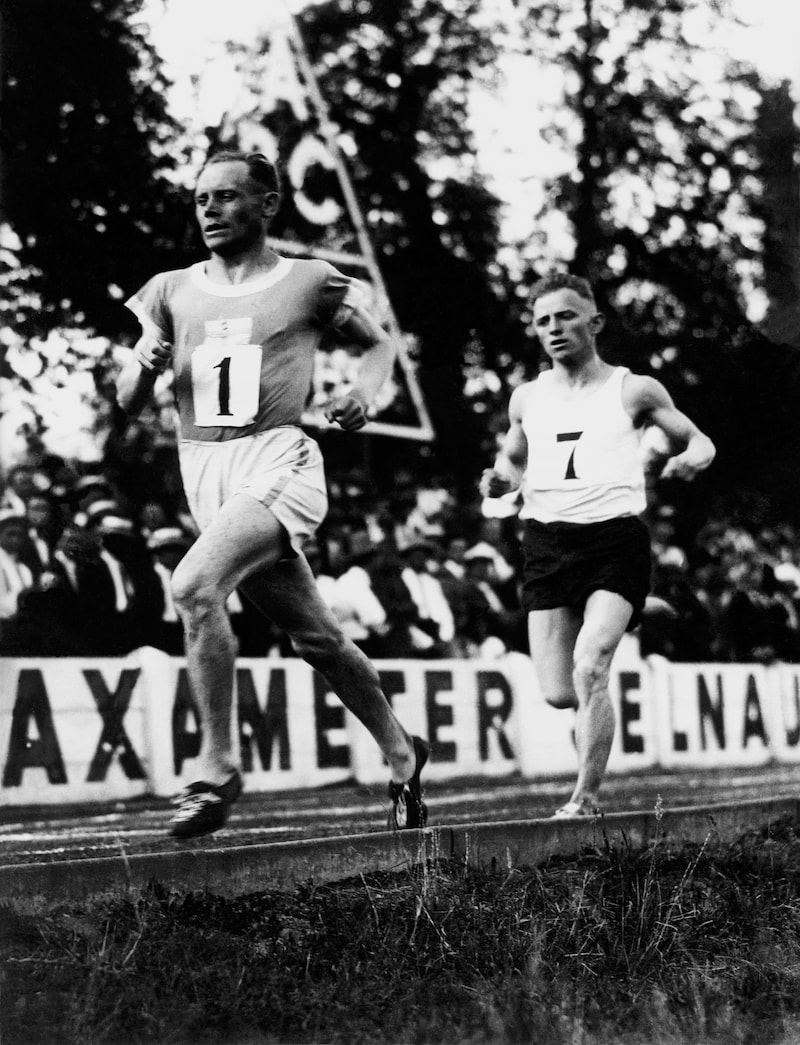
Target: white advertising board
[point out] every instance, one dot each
(88, 730)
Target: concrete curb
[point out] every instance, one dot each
(281, 866)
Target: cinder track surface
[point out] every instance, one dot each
(61, 835)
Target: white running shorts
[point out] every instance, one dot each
(282, 468)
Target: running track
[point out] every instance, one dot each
(57, 834)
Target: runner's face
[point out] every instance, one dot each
(566, 325)
(231, 211)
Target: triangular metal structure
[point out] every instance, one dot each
(292, 82)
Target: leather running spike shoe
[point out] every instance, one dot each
(408, 810)
(575, 811)
(203, 807)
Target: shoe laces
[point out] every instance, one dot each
(190, 803)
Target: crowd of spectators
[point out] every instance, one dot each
(732, 594)
(85, 570)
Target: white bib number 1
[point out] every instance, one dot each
(226, 379)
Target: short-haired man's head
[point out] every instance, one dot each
(259, 169)
(562, 281)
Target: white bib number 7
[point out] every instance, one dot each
(226, 380)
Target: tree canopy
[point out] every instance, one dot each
(666, 205)
(397, 79)
(87, 145)
(663, 191)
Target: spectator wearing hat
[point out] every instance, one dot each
(356, 606)
(41, 625)
(675, 622)
(52, 619)
(467, 605)
(89, 581)
(49, 617)
(386, 579)
(98, 509)
(759, 623)
(163, 628)
(88, 489)
(153, 516)
(453, 562)
(785, 563)
(24, 480)
(426, 518)
(506, 571)
(434, 628)
(487, 616)
(96, 585)
(15, 577)
(167, 546)
(788, 576)
(482, 562)
(138, 591)
(45, 526)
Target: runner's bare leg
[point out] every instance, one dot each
(287, 593)
(605, 619)
(245, 536)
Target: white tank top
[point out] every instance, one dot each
(583, 455)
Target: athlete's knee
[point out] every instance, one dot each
(555, 685)
(555, 681)
(195, 598)
(592, 668)
(561, 697)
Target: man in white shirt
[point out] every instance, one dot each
(168, 545)
(357, 607)
(433, 632)
(15, 576)
(573, 448)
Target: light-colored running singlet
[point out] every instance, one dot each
(583, 455)
(243, 354)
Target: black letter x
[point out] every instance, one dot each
(112, 708)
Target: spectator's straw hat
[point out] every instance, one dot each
(481, 552)
(116, 524)
(673, 557)
(787, 573)
(98, 510)
(167, 537)
(86, 482)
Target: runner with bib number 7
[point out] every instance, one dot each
(573, 450)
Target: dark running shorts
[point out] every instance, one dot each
(566, 562)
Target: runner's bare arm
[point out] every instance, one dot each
(649, 403)
(509, 466)
(138, 376)
(375, 365)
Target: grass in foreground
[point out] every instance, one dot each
(657, 946)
